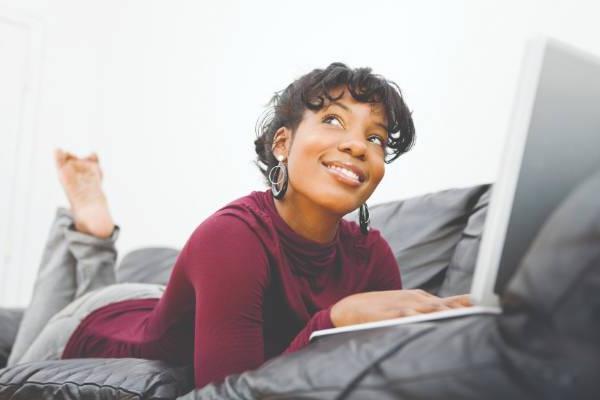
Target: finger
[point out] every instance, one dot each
(409, 312)
(434, 308)
(425, 293)
(463, 300)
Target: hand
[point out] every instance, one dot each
(376, 306)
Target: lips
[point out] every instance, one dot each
(346, 171)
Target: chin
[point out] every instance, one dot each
(339, 202)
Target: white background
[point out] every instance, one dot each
(168, 93)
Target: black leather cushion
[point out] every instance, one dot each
(424, 232)
(456, 359)
(91, 379)
(9, 324)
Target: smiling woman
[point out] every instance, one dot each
(257, 277)
(343, 124)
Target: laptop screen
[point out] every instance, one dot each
(555, 144)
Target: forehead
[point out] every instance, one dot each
(374, 109)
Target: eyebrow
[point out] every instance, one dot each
(345, 107)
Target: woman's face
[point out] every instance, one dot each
(336, 156)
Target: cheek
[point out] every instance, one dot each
(378, 171)
(303, 161)
(305, 153)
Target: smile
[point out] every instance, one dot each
(345, 173)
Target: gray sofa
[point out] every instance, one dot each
(435, 238)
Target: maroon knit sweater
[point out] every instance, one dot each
(244, 289)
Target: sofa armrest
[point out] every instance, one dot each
(10, 318)
(95, 378)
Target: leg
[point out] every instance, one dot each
(54, 288)
(93, 269)
(96, 260)
(50, 343)
(92, 235)
(74, 261)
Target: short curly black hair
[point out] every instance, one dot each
(313, 90)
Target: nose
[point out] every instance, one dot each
(353, 146)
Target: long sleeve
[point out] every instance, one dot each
(227, 268)
(386, 276)
(320, 320)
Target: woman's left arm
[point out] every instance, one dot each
(385, 276)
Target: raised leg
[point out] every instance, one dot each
(80, 253)
(54, 287)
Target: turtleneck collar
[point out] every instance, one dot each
(307, 256)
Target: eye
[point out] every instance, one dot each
(333, 120)
(377, 140)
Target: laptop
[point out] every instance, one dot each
(553, 143)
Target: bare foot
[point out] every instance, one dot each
(81, 178)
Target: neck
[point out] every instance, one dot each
(307, 219)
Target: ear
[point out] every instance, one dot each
(282, 139)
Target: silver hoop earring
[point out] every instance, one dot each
(363, 218)
(278, 177)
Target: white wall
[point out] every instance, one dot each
(168, 93)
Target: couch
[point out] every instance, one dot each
(435, 238)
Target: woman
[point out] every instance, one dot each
(256, 278)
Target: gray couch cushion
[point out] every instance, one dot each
(91, 379)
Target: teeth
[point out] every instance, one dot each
(344, 171)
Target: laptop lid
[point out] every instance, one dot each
(553, 143)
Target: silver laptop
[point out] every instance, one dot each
(553, 143)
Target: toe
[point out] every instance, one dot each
(60, 157)
(70, 156)
(93, 157)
